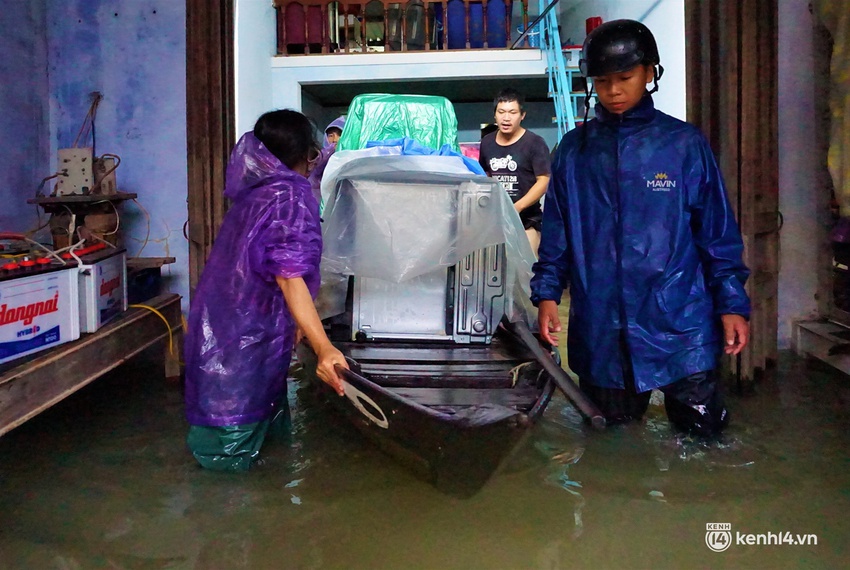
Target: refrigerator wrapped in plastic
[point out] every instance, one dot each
(421, 247)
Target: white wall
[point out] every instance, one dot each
(259, 88)
(800, 200)
(255, 44)
(666, 20)
(290, 73)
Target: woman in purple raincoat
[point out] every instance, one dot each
(256, 291)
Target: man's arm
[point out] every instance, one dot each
(548, 321)
(549, 280)
(483, 159)
(720, 246)
(534, 193)
(551, 269)
(718, 240)
(736, 333)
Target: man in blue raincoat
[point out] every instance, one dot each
(638, 226)
(256, 291)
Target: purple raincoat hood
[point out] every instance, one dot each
(339, 123)
(252, 164)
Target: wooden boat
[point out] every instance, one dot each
(425, 267)
(451, 413)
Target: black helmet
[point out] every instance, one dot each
(617, 46)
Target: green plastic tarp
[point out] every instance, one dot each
(428, 119)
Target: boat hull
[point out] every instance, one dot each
(452, 415)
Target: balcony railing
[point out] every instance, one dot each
(307, 27)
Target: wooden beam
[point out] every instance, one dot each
(469, 396)
(210, 122)
(38, 383)
(731, 49)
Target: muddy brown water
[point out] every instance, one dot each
(103, 480)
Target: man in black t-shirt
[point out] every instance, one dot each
(518, 159)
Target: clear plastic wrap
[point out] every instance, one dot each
(396, 217)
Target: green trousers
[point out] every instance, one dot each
(235, 448)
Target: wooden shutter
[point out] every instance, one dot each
(210, 119)
(731, 50)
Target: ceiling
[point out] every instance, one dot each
(476, 90)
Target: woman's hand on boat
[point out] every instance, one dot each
(329, 358)
(548, 321)
(301, 306)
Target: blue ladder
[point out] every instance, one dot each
(568, 105)
(560, 83)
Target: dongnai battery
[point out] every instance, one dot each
(103, 287)
(39, 306)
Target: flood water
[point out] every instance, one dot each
(103, 480)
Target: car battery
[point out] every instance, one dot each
(103, 287)
(38, 306)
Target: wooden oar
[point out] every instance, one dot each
(582, 403)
